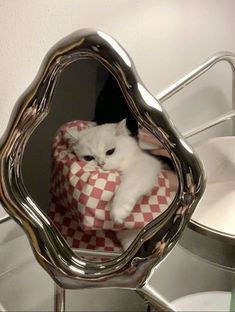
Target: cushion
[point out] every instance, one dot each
(82, 193)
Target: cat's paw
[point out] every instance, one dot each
(119, 214)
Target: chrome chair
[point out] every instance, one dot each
(68, 268)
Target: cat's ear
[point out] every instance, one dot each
(72, 135)
(121, 128)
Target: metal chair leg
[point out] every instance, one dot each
(59, 299)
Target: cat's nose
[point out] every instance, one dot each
(101, 162)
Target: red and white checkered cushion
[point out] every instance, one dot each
(82, 194)
(101, 240)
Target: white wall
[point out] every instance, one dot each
(166, 39)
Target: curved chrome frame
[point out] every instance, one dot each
(133, 268)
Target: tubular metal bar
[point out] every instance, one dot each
(209, 124)
(184, 81)
(5, 219)
(59, 298)
(193, 75)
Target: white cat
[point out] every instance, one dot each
(111, 147)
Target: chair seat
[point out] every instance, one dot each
(216, 209)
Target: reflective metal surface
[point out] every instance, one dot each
(197, 72)
(204, 241)
(134, 266)
(229, 58)
(5, 219)
(59, 297)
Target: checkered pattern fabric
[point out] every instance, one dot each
(69, 227)
(81, 195)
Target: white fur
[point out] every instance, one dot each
(139, 170)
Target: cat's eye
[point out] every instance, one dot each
(88, 158)
(110, 152)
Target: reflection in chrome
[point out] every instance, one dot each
(59, 299)
(132, 268)
(186, 146)
(148, 98)
(115, 45)
(5, 219)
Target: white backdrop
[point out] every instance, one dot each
(166, 39)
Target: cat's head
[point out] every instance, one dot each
(108, 146)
